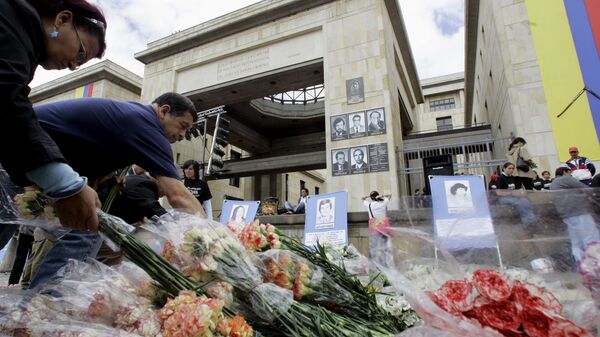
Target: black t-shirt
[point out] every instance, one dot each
(503, 182)
(199, 188)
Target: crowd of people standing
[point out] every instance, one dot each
(523, 175)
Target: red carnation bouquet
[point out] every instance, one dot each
(517, 309)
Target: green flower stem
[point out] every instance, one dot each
(364, 305)
(171, 279)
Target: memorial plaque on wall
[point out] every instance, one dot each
(356, 124)
(355, 92)
(376, 122)
(339, 127)
(359, 161)
(378, 158)
(339, 162)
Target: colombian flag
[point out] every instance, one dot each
(85, 91)
(566, 34)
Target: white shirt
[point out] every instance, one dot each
(378, 208)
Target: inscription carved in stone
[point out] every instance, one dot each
(244, 64)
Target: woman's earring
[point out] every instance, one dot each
(54, 33)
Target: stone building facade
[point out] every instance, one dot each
(506, 86)
(278, 45)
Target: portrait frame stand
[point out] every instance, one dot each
(497, 246)
(441, 205)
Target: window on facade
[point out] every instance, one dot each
(302, 184)
(444, 123)
(236, 180)
(442, 104)
(316, 190)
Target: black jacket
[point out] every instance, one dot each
(25, 145)
(137, 199)
(503, 182)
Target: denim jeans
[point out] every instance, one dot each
(523, 206)
(76, 245)
(298, 209)
(380, 250)
(582, 231)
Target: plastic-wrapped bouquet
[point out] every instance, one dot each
(199, 247)
(307, 281)
(87, 300)
(257, 237)
(191, 315)
(517, 309)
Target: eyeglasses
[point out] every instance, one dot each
(81, 56)
(98, 24)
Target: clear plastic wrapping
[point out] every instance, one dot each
(545, 243)
(86, 300)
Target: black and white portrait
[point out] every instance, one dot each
(376, 124)
(355, 92)
(458, 196)
(238, 215)
(325, 213)
(340, 162)
(359, 160)
(356, 126)
(339, 127)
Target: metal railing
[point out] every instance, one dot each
(474, 157)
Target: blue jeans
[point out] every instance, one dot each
(76, 245)
(380, 250)
(582, 231)
(298, 209)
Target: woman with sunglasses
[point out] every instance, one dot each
(56, 34)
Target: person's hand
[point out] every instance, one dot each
(79, 211)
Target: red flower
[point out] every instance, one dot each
(443, 303)
(528, 295)
(490, 284)
(459, 293)
(500, 315)
(535, 322)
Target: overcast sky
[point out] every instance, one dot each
(435, 28)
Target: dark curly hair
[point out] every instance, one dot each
(456, 186)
